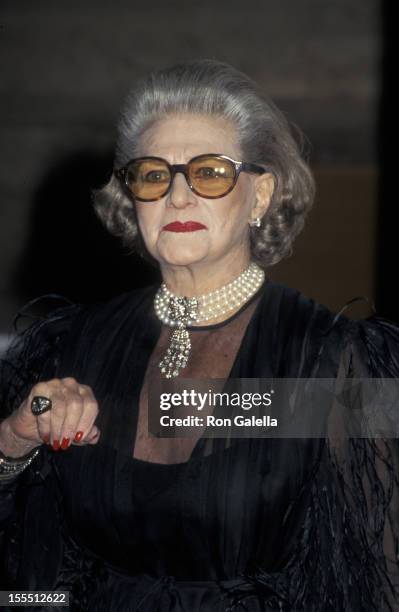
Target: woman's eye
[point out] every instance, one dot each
(155, 176)
(207, 172)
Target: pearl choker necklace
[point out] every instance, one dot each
(180, 312)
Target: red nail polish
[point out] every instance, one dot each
(56, 445)
(46, 439)
(64, 443)
(78, 436)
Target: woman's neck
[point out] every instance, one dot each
(197, 280)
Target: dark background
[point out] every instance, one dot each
(65, 67)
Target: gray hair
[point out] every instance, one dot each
(210, 87)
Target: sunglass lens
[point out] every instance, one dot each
(212, 176)
(148, 179)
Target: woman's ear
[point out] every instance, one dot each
(264, 187)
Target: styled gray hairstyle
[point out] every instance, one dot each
(211, 87)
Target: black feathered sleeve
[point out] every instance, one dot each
(345, 554)
(348, 556)
(32, 356)
(34, 353)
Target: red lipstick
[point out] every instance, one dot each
(188, 226)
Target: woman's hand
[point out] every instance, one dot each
(69, 421)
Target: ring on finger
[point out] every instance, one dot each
(40, 404)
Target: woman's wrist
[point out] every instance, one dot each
(11, 445)
(11, 467)
(15, 455)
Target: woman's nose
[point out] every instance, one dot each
(180, 194)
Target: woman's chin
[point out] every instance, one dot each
(181, 257)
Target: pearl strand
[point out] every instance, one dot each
(214, 304)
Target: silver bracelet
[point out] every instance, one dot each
(15, 465)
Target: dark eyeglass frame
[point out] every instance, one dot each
(239, 167)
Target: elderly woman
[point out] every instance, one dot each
(211, 186)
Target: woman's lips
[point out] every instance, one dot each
(188, 226)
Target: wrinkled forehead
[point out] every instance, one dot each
(179, 138)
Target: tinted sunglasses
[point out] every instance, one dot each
(210, 175)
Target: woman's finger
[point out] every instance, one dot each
(88, 416)
(72, 418)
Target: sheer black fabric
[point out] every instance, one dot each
(243, 524)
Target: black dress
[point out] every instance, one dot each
(255, 524)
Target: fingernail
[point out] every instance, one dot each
(78, 436)
(64, 443)
(56, 444)
(46, 439)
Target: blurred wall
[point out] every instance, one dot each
(65, 67)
